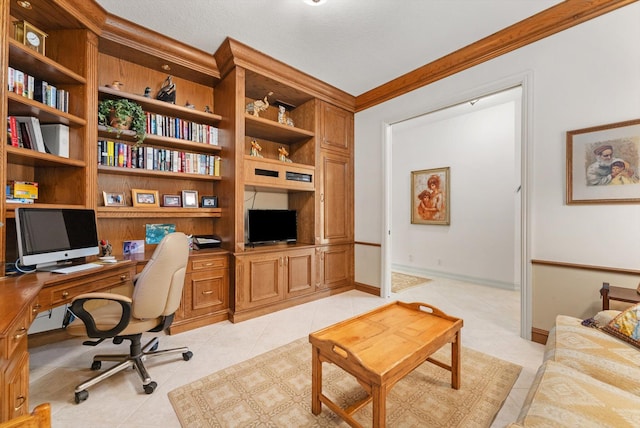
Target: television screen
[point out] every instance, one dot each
(267, 226)
(50, 235)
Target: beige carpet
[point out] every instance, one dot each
(274, 390)
(401, 281)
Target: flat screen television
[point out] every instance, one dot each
(49, 236)
(271, 226)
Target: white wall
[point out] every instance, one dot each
(478, 144)
(584, 76)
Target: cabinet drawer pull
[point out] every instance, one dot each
(208, 292)
(65, 294)
(36, 307)
(208, 264)
(21, 399)
(20, 333)
(123, 277)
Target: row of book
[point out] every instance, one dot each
(174, 127)
(114, 153)
(27, 132)
(39, 90)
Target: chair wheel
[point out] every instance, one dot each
(150, 387)
(187, 355)
(81, 396)
(96, 365)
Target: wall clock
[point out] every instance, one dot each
(30, 36)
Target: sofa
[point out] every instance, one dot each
(590, 377)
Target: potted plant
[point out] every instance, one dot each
(121, 114)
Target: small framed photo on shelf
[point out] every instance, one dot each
(171, 201)
(145, 198)
(209, 202)
(113, 199)
(190, 199)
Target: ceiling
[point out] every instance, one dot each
(354, 45)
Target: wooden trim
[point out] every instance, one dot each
(586, 267)
(370, 244)
(232, 53)
(546, 23)
(539, 335)
(367, 288)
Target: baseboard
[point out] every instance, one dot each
(367, 288)
(539, 335)
(434, 273)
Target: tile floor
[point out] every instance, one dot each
(491, 325)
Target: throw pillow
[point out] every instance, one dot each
(601, 319)
(626, 325)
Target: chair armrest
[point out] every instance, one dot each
(77, 308)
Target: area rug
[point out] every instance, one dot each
(274, 390)
(401, 281)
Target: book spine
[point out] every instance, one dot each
(11, 79)
(13, 127)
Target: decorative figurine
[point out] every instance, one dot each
(115, 85)
(207, 109)
(255, 149)
(282, 115)
(147, 92)
(105, 248)
(167, 92)
(258, 105)
(189, 105)
(282, 154)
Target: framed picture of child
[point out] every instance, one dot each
(603, 164)
(430, 196)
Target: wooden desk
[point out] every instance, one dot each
(381, 347)
(620, 294)
(21, 298)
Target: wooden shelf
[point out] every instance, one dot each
(23, 58)
(162, 212)
(259, 127)
(22, 156)
(10, 207)
(156, 140)
(162, 107)
(23, 106)
(102, 169)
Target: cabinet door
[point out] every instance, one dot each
(17, 383)
(300, 272)
(336, 198)
(336, 128)
(207, 292)
(335, 266)
(262, 280)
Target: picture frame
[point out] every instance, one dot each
(430, 196)
(145, 198)
(209, 202)
(114, 199)
(190, 199)
(171, 201)
(603, 164)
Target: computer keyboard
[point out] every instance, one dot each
(76, 268)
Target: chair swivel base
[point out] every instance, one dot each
(125, 361)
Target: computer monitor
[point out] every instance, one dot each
(48, 237)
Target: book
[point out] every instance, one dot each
(56, 139)
(26, 138)
(11, 79)
(13, 129)
(35, 132)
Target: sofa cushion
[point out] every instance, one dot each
(626, 326)
(561, 396)
(594, 353)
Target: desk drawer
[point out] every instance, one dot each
(17, 332)
(208, 263)
(51, 297)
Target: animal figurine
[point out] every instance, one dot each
(258, 105)
(282, 154)
(167, 92)
(147, 92)
(207, 109)
(105, 248)
(255, 149)
(115, 85)
(189, 105)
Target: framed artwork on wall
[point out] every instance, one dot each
(603, 163)
(430, 196)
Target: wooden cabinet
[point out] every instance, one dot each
(14, 368)
(335, 266)
(336, 128)
(267, 277)
(205, 297)
(336, 198)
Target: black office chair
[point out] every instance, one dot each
(156, 296)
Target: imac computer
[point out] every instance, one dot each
(50, 238)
